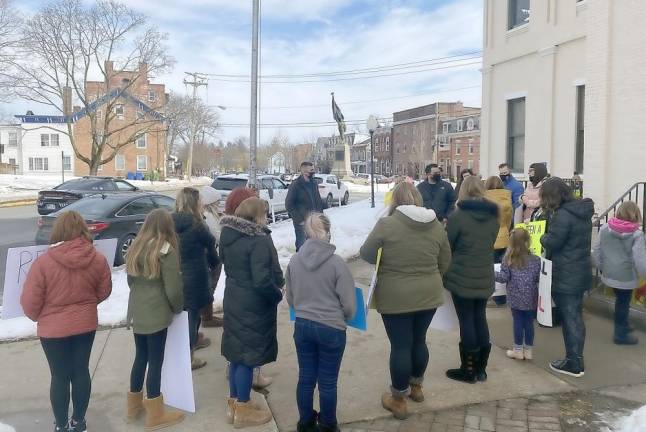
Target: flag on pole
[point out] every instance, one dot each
(338, 117)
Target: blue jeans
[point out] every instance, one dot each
(523, 327)
(194, 321)
(240, 381)
(571, 307)
(299, 230)
(408, 351)
(622, 309)
(320, 350)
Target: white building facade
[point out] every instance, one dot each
(564, 83)
(10, 144)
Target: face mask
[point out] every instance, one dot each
(437, 177)
(532, 178)
(504, 177)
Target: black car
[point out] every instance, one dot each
(66, 193)
(110, 216)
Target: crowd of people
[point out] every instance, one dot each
(432, 240)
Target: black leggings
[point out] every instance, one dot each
(68, 360)
(408, 350)
(472, 314)
(149, 353)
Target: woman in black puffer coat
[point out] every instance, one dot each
(254, 282)
(567, 243)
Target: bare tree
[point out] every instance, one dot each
(65, 44)
(9, 40)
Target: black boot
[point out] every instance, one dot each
(483, 359)
(329, 428)
(467, 371)
(310, 426)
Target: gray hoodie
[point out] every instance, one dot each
(616, 255)
(320, 286)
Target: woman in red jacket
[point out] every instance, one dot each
(61, 293)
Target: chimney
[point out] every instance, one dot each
(67, 100)
(143, 72)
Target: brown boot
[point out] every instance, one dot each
(202, 341)
(416, 393)
(231, 409)
(208, 319)
(158, 417)
(197, 363)
(246, 414)
(135, 406)
(396, 404)
(260, 382)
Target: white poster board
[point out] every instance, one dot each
(177, 377)
(445, 318)
(19, 261)
(544, 309)
(500, 289)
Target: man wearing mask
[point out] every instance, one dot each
(530, 199)
(302, 199)
(438, 194)
(511, 184)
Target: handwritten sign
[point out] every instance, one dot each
(19, 261)
(177, 377)
(544, 310)
(536, 231)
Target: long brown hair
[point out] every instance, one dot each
(254, 210)
(405, 194)
(629, 211)
(144, 256)
(472, 188)
(518, 249)
(69, 226)
(188, 201)
(494, 182)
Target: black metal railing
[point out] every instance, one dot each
(636, 193)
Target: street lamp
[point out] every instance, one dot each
(373, 125)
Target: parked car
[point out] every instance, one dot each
(332, 189)
(66, 193)
(272, 189)
(110, 216)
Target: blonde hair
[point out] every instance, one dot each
(494, 182)
(317, 226)
(629, 211)
(254, 210)
(518, 249)
(405, 194)
(144, 256)
(471, 188)
(69, 226)
(188, 201)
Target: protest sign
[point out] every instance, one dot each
(177, 377)
(445, 318)
(359, 320)
(544, 310)
(19, 261)
(536, 230)
(370, 301)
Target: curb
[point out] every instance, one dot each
(17, 203)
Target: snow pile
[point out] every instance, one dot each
(636, 422)
(365, 188)
(350, 227)
(6, 428)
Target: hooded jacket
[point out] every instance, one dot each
(472, 231)
(253, 290)
(439, 197)
(567, 244)
(64, 287)
(320, 286)
(531, 198)
(502, 198)
(415, 254)
(302, 199)
(516, 189)
(197, 255)
(613, 254)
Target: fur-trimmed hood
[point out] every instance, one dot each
(481, 209)
(234, 227)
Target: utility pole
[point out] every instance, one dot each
(198, 80)
(253, 131)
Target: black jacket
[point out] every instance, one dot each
(439, 197)
(252, 294)
(472, 230)
(299, 202)
(197, 255)
(567, 244)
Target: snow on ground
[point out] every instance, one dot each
(14, 187)
(6, 428)
(636, 422)
(350, 226)
(365, 188)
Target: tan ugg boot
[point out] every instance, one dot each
(260, 381)
(246, 414)
(135, 406)
(396, 404)
(231, 409)
(158, 417)
(416, 393)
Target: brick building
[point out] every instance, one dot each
(415, 134)
(323, 152)
(383, 151)
(459, 145)
(136, 117)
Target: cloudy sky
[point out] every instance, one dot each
(313, 37)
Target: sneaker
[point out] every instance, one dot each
(567, 367)
(626, 339)
(528, 353)
(516, 353)
(78, 426)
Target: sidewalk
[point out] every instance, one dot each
(24, 381)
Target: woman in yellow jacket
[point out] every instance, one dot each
(497, 193)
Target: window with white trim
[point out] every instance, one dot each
(38, 164)
(471, 124)
(470, 164)
(580, 128)
(120, 162)
(119, 112)
(49, 140)
(152, 96)
(460, 125)
(445, 128)
(471, 147)
(516, 134)
(142, 163)
(458, 148)
(518, 14)
(13, 139)
(141, 141)
(67, 163)
(387, 143)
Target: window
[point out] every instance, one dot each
(516, 134)
(139, 207)
(12, 162)
(53, 140)
(67, 163)
(580, 128)
(13, 139)
(44, 140)
(445, 128)
(142, 163)
(99, 114)
(387, 143)
(164, 202)
(460, 125)
(470, 147)
(38, 164)
(123, 186)
(331, 180)
(151, 96)
(279, 184)
(470, 164)
(141, 141)
(141, 115)
(119, 112)
(119, 162)
(458, 149)
(518, 13)
(471, 124)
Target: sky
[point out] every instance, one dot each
(316, 36)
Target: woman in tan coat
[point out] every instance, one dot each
(497, 193)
